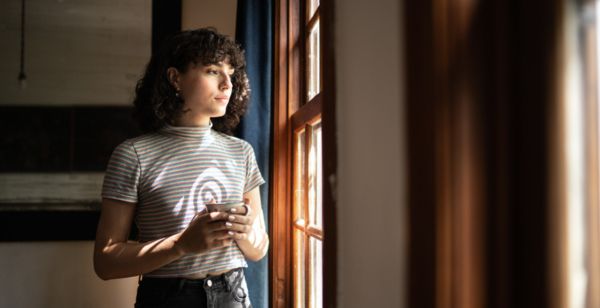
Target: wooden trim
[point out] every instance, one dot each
(308, 113)
(311, 231)
(289, 94)
(286, 102)
(446, 160)
(556, 233)
(421, 245)
(460, 180)
(592, 163)
(484, 153)
(313, 19)
(280, 253)
(315, 232)
(328, 126)
(555, 291)
(308, 144)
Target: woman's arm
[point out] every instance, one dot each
(116, 257)
(253, 239)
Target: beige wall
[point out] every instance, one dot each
(221, 15)
(76, 52)
(57, 275)
(371, 193)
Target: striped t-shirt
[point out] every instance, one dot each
(170, 175)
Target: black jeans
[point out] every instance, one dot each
(226, 290)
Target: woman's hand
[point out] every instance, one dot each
(116, 257)
(250, 232)
(207, 231)
(240, 221)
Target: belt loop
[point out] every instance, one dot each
(181, 284)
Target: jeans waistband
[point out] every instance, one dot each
(220, 281)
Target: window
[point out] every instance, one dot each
(298, 223)
(307, 202)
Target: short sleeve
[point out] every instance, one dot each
(253, 176)
(122, 174)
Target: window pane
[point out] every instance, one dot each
(316, 273)
(299, 269)
(300, 175)
(313, 62)
(315, 180)
(312, 7)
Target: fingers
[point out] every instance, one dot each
(240, 219)
(243, 210)
(236, 227)
(224, 225)
(217, 216)
(239, 236)
(216, 229)
(227, 235)
(222, 236)
(222, 243)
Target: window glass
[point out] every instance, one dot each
(299, 269)
(315, 206)
(312, 8)
(299, 178)
(314, 62)
(316, 273)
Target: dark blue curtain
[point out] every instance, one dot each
(254, 31)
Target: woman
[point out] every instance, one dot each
(188, 102)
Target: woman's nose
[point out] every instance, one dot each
(226, 82)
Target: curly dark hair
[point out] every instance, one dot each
(155, 101)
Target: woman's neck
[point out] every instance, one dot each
(187, 121)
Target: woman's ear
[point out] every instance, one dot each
(173, 75)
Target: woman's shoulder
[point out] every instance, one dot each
(235, 144)
(139, 142)
(231, 140)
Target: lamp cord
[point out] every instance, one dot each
(22, 73)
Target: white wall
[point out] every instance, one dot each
(57, 275)
(371, 193)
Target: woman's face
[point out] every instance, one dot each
(205, 89)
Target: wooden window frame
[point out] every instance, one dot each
(590, 70)
(483, 133)
(289, 92)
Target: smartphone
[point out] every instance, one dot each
(223, 207)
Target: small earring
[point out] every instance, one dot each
(177, 93)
